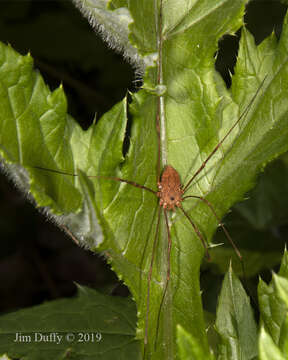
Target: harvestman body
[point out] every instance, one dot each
(170, 189)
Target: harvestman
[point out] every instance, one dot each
(171, 195)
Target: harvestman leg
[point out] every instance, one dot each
(219, 222)
(185, 188)
(198, 233)
(150, 276)
(167, 274)
(133, 183)
(223, 228)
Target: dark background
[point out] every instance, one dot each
(38, 261)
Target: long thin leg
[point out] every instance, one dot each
(224, 229)
(133, 183)
(225, 137)
(219, 222)
(167, 276)
(198, 233)
(149, 280)
(65, 228)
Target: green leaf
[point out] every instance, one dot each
(267, 348)
(196, 111)
(90, 326)
(235, 321)
(284, 265)
(188, 347)
(273, 308)
(283, 340)
(281, 287)
(4, 357)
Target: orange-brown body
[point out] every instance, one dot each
(170, 189)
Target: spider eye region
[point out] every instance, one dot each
(172, 198)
